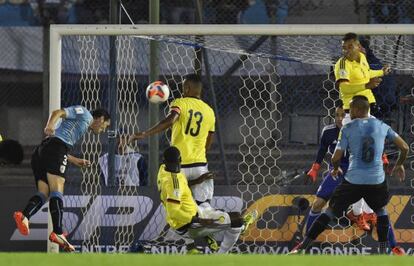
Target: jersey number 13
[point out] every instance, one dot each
(198, 118)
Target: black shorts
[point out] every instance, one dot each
(376, 196)
(51, 156)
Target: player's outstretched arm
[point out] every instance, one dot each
(167, 122)
(398, 169)
(323, 149)
(78, 161)
(201, 179)
(51, 122)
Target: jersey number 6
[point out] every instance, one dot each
(368, 150)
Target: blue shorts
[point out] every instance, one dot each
(328, 186)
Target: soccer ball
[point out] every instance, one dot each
(157, 92)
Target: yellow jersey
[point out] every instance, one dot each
(176, 198)
(356, 74)
(189, 133)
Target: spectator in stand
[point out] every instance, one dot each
(264, 12)
(130, 166)
(54, 11)
(93, 11)
(16, 13)
(181, 12)
(390, 11)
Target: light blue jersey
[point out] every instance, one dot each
(364, 139)
(76, 123)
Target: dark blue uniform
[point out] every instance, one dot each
(329, 140)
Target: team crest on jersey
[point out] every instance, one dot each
(79, 110)
(176, 193)
(343, 73)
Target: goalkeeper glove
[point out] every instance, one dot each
(313, 172)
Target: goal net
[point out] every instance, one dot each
(272, 91)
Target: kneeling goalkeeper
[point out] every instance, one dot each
(182, 213)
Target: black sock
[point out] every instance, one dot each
(382, 231)
(318, 226)
(34, 205)
(56, 211)
(382, 248)
(306, 242)
(236, 219)
(382, 228)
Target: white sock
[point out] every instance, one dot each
(229, 239)
(357, 207)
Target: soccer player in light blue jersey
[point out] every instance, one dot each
(49, 162)
(364, 138)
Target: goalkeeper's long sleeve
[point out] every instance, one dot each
(376, 73)
(323, 148)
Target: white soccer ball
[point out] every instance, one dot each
(157, 92)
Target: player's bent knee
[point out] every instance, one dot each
(43, 188)
(220, 216)
(56, 183)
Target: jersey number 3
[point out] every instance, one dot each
(198, 117)
(368, 150)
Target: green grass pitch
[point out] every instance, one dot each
(42, 259)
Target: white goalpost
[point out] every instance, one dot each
(272, 88)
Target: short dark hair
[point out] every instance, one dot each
(350, 36)
(193, 78)
(360, 102)
(11, 151)
(98, 112)
(172, 155)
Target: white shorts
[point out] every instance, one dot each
(222, 223)
(201, 192)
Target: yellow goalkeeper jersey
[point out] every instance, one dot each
(176, 198)
(355, 75)
(189, 133)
